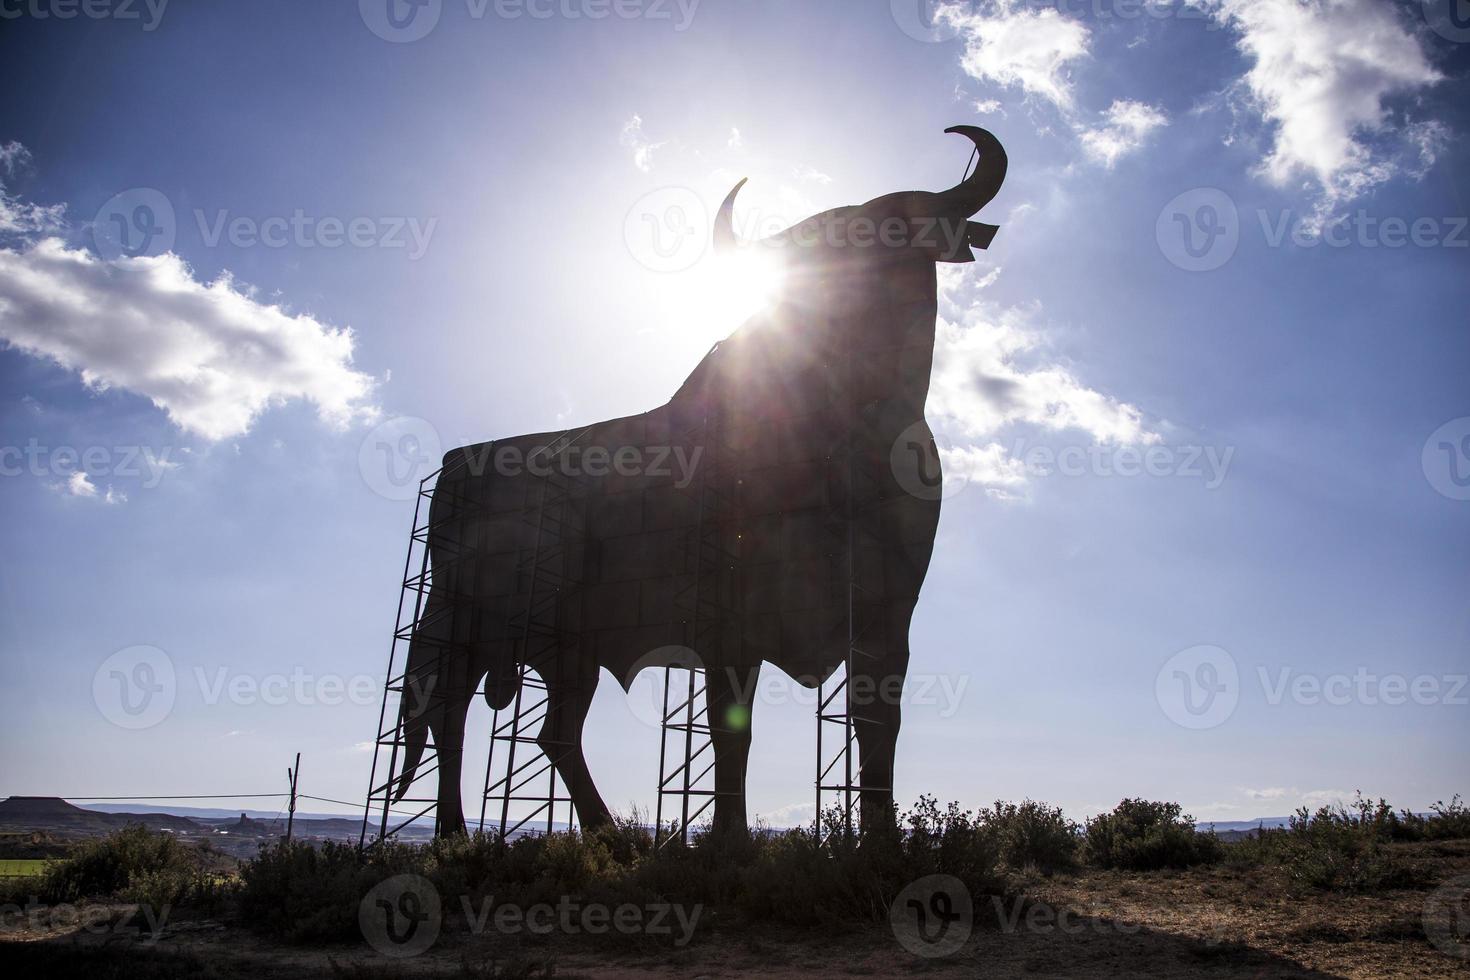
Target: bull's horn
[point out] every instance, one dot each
(979, 188)
(725, 240)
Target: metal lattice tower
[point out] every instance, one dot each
(706, 617)
(855, 523)
(549, 638)
(448, 632)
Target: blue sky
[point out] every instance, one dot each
(1295, 367)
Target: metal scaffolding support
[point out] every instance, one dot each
(447, 628)
(856, 522)
(390, 742)
(549, 640)
(706, 617)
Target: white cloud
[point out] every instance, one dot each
(79, 484)
(1321, 73)
(735, 142)
(988, 375)
(1011, 43)
(1126, 125)
(1014, 44)
(209, 355)
(632, 137)
(18, 217)
(812, 174)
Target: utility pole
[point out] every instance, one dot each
(292, 775)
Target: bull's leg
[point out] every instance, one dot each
(447, 727)
(568, 699)
(728, 696)
(877, 713)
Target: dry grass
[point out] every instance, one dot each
(1219, 922)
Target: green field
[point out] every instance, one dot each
(21, 867)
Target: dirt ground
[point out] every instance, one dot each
(1217, 923)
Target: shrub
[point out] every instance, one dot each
(134, 864)
(304, 893)
(1342, 848)
(1447, 821)
(1140, 835)
(1031, 834)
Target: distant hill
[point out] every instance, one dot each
(54, 814)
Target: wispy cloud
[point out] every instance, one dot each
(210, 355)
(1017, 45)
(988, 374)
(19, 217)
(1322, 72)
(1014, 44)
(1125, 128)
(79, 484)
(633, 138)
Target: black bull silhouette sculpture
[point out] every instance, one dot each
(807, 399)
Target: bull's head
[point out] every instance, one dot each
(915, 224)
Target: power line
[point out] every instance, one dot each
(219, 796)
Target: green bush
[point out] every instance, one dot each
(1031, 834)
(1342, 848)
(134, 864)
(1447, 821)
(1141, 835)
